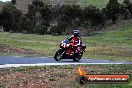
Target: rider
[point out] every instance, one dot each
(76, 39)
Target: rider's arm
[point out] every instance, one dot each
(79, 42)
(70, 38)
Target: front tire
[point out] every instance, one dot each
(58, 56)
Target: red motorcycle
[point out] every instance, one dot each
(69, 51)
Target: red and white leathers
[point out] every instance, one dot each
(77, 41)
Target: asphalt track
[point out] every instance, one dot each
(16, 61)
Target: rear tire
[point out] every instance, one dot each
(58, 56)
(78, 57)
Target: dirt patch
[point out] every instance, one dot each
(39, 78)
(53, 76)
(19, 51)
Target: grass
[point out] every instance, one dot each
(47, 44)
(114, 44)
(111, 45)
(97, 3)
(83, 3)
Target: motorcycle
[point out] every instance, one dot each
(69, 51)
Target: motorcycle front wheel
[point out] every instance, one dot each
(58, 56)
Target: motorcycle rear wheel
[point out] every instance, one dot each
(77, 58)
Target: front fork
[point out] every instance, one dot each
(62, 52)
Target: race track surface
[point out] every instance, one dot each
(15, 61)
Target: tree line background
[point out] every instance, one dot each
(62, 19)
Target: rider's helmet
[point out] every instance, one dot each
(76, 33)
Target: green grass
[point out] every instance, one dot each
(115, 44)
(36, 42)
(83, 3)
(97, 3)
